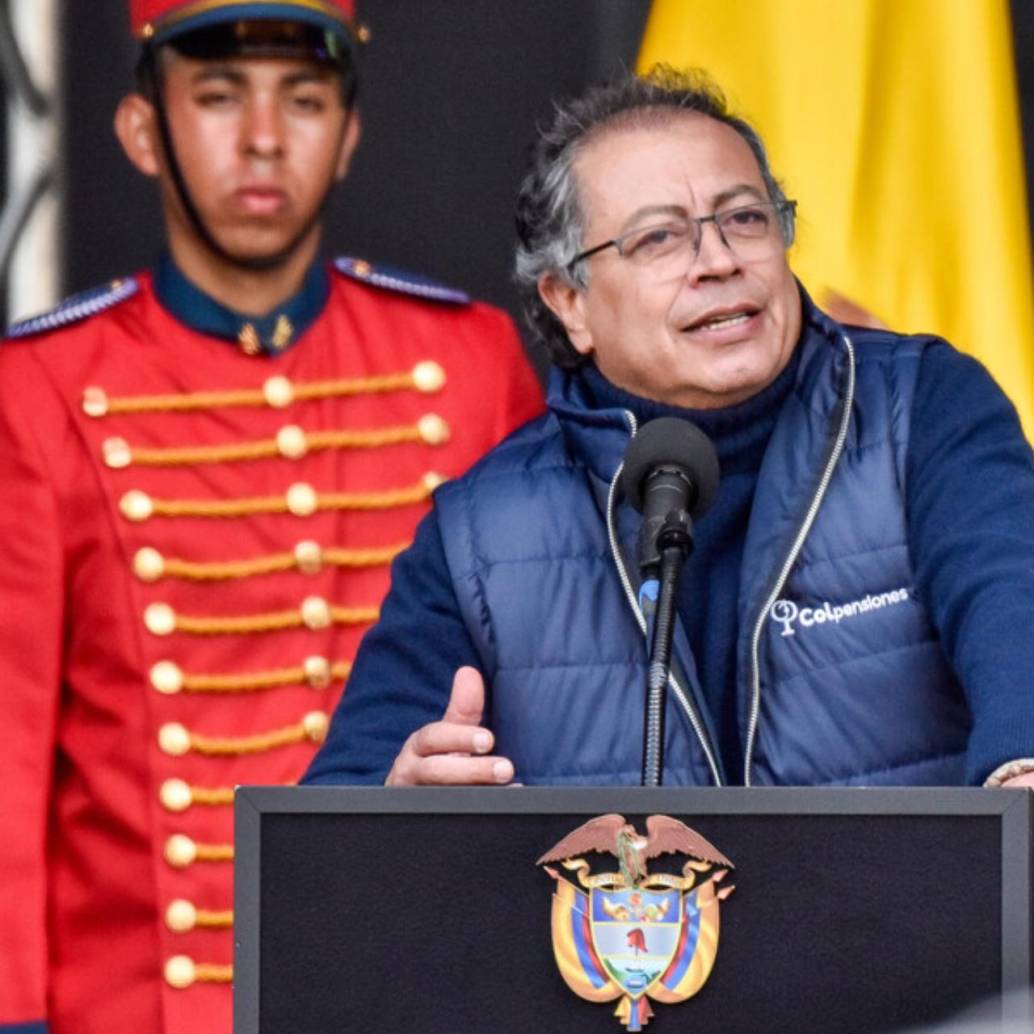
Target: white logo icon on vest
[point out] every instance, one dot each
(785, 612)
(788, 614)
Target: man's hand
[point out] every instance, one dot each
(454, 751)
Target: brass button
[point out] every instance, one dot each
(175, 795)
(317, 672)
(309, 557)
(148, 564)
(117, 453)
(278, 392)
(167, 678)
(301, 499)
(147, 31)
(363, 33)
(180, 972)
(136, 506)
(95, 402)
(160, 619)
(362, 268)
(174, 739)
(315, 724)
(291, 442)
(428, 377)
(180, 851)
(432, 480)
(433, 429)
(181, 916)
(315, 613)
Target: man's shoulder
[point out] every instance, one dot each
(76, 309)
(529, 451)
(399, 281)
(882, 344)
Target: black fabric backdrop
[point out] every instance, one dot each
(452, 92)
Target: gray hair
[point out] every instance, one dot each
(550, 221)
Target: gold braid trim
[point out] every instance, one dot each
(278, 504)
(214, 852)
(214, 920)
(253, 623)
(230, 746)
(269, 448)
(191, 401)
(210, 973)
(362, 557)
(213, 797)
(277, 562)
(259, 680)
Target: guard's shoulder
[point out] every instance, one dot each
(77, 308)
(391, 279)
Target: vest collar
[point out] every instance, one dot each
(268, 335)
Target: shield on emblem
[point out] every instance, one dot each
(635, 933)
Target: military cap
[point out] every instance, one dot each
(159, 21)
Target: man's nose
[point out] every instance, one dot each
(263, 129)
(714, 258)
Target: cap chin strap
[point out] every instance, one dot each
(256, 263)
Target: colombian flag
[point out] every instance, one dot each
(895, 125)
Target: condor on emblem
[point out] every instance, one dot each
(632, 934)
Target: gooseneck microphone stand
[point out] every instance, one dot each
(674, 544)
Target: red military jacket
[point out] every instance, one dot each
(192, 542)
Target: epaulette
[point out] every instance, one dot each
(399, 280)
(77, 307)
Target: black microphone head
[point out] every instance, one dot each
(669, 441)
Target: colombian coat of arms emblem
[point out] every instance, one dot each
(634, 935)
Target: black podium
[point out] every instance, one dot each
(854, 911)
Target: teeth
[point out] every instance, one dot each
(725, 321)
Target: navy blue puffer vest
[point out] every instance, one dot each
(841, 679)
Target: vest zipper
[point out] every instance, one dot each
(791, 559)
(626, 583)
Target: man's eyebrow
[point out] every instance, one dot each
(232, 74)
(308, 75)
(680, 212)
(226, 72)
(734, 192)
(652, 211)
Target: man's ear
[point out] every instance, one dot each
(567, 303)
(349, 142)
(137, 131)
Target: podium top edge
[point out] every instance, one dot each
(915, 801)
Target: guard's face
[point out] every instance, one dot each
(717, 328)
(259, 141)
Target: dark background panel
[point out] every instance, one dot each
(453, 90)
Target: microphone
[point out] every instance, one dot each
(670, 475)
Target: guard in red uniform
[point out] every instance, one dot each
(206, 470)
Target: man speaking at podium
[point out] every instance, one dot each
(856, 610)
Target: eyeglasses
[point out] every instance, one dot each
(748, 230)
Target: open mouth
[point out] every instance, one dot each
(723, 320)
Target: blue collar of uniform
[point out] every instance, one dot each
(270, 334)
